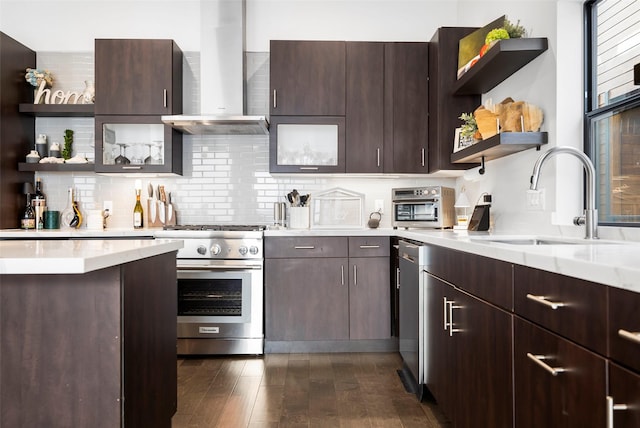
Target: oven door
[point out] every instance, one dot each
(415, 212)
(220, 299)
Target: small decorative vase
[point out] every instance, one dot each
(89, 93)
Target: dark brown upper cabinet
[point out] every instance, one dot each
(387, 107)
(138, 77)
(365, 107)
(406, 115)
(16, 130)
(307, 78)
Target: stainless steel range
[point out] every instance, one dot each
(220, 289)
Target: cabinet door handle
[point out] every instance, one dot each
(365, 247)
(422, 154)
(304, 247)
(378, 156)
(355, 275)
(538, 359)
(342, 275)
(444, 312)
(452, 306)
(164, 98)
(275, 95)
(398, 278)
(611, 407)
(543, 300)
(308, 168)
(629, 335)
(131, 167)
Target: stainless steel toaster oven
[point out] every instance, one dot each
(423, 207)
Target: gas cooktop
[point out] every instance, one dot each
(218, 227)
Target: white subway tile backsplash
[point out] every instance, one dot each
(225, 179)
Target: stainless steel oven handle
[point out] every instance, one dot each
(217, 268)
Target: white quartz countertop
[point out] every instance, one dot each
(614, 263)
(77, 256)
(77, 233)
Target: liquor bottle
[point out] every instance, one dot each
(28, 219)
(39, 192)
(138, 213)
(39, 204)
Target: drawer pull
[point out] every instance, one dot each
(275, 97)
(342, 275)
(629, 335)
(538, 359)
(365, 247)
(611, 407)
(304, 247)
(543, 300)
(355, 275)
(164, 98)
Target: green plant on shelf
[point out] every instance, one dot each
(68, 144)
(470, 127)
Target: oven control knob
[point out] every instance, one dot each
(253, 250)
(215, 250)
(243, 250)
(202, 250)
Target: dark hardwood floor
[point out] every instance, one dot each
(298, 390)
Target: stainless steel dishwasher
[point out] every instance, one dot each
(412, 317)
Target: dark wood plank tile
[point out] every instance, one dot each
(298, 390)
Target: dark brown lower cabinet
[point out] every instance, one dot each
(623, 400)
(90, 350)
(469, 359)
(307, 299)
(369, 310)
(557, 383)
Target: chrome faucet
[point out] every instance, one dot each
(590, 217)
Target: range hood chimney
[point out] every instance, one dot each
(222, 70)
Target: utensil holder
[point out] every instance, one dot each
(299, 217)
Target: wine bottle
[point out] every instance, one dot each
(28, 220)
(138, 213)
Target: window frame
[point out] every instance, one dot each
(592, 112)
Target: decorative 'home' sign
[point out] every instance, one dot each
(45, 96)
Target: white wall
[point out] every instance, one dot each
(553, 81)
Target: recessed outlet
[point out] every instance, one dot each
(379, 205)
(108, 205)
(535, 200)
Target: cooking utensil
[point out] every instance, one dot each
(152, 205)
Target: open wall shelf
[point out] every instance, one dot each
(501, 61)
(56, 167)
(499, 145)
(57, 110)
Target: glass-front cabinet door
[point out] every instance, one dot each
(307, 144)
(134, 144)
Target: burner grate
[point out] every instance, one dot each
(218, 227)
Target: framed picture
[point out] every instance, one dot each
(460, 142)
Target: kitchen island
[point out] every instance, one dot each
(87, 333)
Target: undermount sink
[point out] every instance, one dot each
(539, 241)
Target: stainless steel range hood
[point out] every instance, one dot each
(222, 70)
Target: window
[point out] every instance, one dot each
(612, 109)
